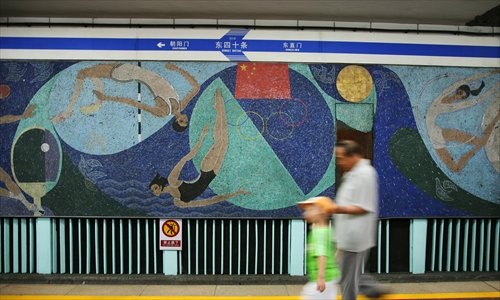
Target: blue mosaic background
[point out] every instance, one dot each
(280, 149)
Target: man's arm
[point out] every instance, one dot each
(349, 210)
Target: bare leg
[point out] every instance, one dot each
(161, 109)
(215, 156)
(94, 107)
(173, 177)
(458, 136)
(95, 73)
(72, 102)
(453, 135)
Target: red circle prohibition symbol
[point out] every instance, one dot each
(170, 228)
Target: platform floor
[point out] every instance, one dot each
(414, 290)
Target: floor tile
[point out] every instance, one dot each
(494, 284)
(107, 289)
(251, 290)
(438, 287)
(36, 289)
(179, 290)
(294, 290)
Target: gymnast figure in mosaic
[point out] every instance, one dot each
(183, 192)
(457, 97)
(163, 92)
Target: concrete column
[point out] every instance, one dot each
(170, 258)
(43, 246)
(418, 238)
(297, 249)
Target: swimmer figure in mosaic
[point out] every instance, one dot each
(457, 97)
(163, 92)
(183, 192)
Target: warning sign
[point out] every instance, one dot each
(170, 234)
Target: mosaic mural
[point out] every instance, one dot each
(206, 139)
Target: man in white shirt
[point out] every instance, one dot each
(355, 218)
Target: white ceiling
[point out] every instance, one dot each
(444, 12)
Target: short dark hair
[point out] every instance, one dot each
(159, 180)
(177, 127)
(350, 147)
(466, 89)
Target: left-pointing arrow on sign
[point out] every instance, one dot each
(160, 45)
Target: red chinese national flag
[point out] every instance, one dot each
(262, 81)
